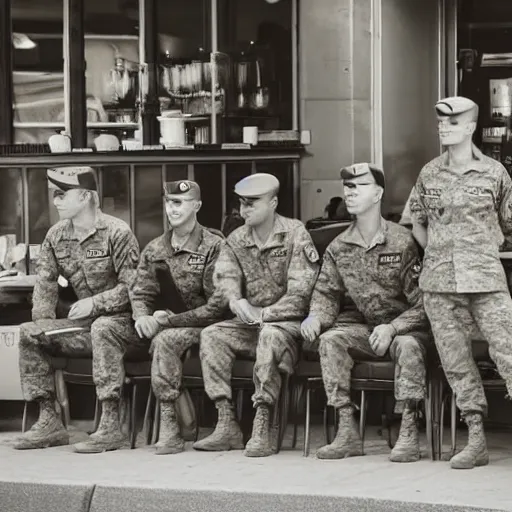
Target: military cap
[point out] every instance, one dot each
(67, 178)
(257, 185)
(455, 105)
(184, 189)
(361, 169)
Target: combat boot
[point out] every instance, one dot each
(108, 437)
(407, 447)
(170, 440)
(347, 442)
(259, 445)
(227, 434)
(475, 452)
(47, 431)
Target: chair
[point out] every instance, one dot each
(367, 376)
(480, 350)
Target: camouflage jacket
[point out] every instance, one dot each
(373, 285)
(468, 216)
(279, 277)
(101, 265)
(191, 271)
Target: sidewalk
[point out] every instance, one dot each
(287, 473)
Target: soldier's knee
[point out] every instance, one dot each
(271, 336)
(29, 331)
(208, 338)
(333, 343)
(408, 346)
(165, 338)
(102, 328)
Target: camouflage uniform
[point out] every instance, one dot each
(370, 286)
(191, 269)
(102, 266)
(468, 216)
(278, 277)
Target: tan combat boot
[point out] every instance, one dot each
(259, 445)
(108, 437)
(475, 453)
(407, 448)
(47, 431)
(347, 442)
(227, 434)
(170, 440)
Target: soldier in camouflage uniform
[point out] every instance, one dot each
(462, 212)
(266, 272)
(173, 299)
(367, 305)
(97, 254)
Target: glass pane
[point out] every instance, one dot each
(10, 203)
(112, 76)
(283, 171)
(257, 37)
(41, 211)
(184, 69)
(234, 173)
(149, 219)
(209, 178)
(115, 190)
(37, 68)
(176, 172)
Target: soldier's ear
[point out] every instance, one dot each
(379, 194)
(471, 127)
(197, 205)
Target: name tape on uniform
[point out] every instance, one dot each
(278, 253)
(390, 258)
(96, 253)
(196, 260)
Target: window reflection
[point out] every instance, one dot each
(115, 192)
(42, 213)
(37, 69)
(149, 220)
(10, 203)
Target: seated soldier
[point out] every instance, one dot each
(175, 273)
(374, 266)
(97, 254)
(266, 271)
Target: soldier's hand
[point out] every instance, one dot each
(246, 312)
(81, 309)
(310, 328)
(147, 326)
(381, 338)
(162, 316)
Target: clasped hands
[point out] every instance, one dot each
(148, 326)
(380, 339)
(245, 311)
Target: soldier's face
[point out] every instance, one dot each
(179, 210)
(454, 130)
(69, 203)
(256, 210)
(361, 194)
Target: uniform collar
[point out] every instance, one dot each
(476, 165)
(192, 244)
(352, 236)
(100, 224)
(273, 240)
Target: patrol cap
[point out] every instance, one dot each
(455, 105)
(184, 189)
(257, 185)
(67, 178)
(361, 169)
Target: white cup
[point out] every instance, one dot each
(251, 135)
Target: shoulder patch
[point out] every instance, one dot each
(311, 253)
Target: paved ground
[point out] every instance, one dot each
(371, 476)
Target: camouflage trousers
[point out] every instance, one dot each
(344, 343)
(107, 340)
(274, 347)
(453, 318)
(169, 347)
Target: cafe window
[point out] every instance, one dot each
(38, 70)
(200, 71)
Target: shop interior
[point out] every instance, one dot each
(484, 44)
